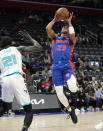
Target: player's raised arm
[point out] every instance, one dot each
(36, 47)
(49, 28)
(71, 30)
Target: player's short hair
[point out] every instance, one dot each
(65, 26)
(65, 23)
(5, 41)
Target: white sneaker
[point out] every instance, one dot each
(97, 109)
(77, 111)
(88, 109)
(82, 109)
(99, 126)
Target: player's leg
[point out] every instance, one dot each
(22, 95)
(28, 117)
(6, 95)
(58, 82)
(72, 85)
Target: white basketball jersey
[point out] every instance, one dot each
(10, 61)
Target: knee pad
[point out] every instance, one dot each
(72, 84)
(28, 108)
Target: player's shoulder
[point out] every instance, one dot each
(13, 47)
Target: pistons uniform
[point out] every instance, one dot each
(11, 77)
(62, 67)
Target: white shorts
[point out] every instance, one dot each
(14, 85)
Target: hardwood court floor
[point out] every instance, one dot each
(57, 122)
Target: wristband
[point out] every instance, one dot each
(71, 30)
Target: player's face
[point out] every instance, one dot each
(65, 31)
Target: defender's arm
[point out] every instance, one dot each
(49, 28)
(36, 47)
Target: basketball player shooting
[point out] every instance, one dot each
(62, 69)
(11, 78)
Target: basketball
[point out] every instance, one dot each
(62, 14)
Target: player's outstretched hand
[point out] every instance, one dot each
(25, 34)
(57, 18)
(70, 17)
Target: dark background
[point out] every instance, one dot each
(82, 3)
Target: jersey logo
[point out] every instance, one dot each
(62, 41)
(67, 75)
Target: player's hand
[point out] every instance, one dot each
(56, 19)
(25, 34)
(70, 18)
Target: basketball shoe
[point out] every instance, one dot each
(24, 129)
(99, 126)
(73, 115)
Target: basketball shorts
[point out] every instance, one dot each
(14, 85)
(61, 73)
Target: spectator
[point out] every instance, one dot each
(32, 66)
(90, 96)
(81, 99)
(45, 70)
(47, 85)
(41, 65)
(99, 96)
(41, 56)
(37, 81)
(93, 81)
(80, 70)
(49, 74)
(43, 77)
(80, 80)
(26, 59)
(47, 59)
(101, 88)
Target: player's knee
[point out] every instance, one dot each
(28, 108)
(72, 84)
(59, 90)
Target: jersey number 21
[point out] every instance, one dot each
(9, 60)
